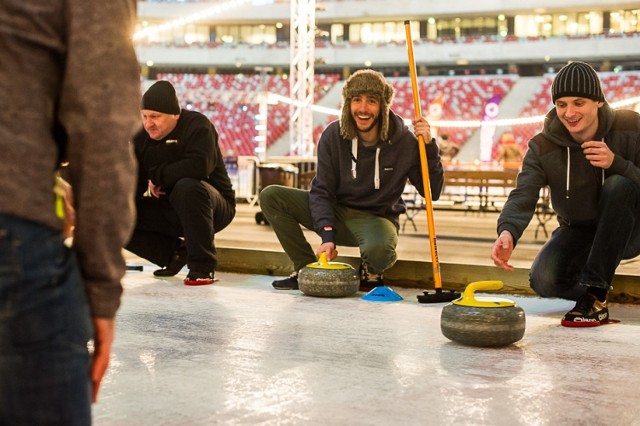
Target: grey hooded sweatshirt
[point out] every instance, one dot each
(556, 160)
(70, 81)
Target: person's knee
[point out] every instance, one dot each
(187, 187)
(542, 279)
(278, 197)
(549, 285)
(542, 285)
(379, 257)
(268, 195)
(618, 190)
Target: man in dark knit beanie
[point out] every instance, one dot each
(184, 193)
(161, 97)
(588, 154)
(364, 161)
(577, 79)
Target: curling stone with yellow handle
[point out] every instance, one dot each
(482, 321)
(328, 279)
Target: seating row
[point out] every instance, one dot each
(232, 102)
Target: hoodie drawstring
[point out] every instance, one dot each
(603, 169)
(354, 159)
(376, 177)
(568, 169)
(354, 156)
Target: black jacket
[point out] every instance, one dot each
(190, 150)
(554, 159)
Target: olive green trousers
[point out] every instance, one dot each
(287, 210)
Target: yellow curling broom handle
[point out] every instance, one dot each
(423, 163)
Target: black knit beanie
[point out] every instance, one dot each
(161, 97)
(365, 82)
(577, 79)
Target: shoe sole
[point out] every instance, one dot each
(566, 323)
(198, 282)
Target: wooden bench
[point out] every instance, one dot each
(479, 190)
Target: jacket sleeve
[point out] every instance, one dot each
(521, 203)
(322, 197)
(142, 181)
(434, 166)
(99, 109)
(627, 160)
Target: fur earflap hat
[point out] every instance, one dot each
(161, 97)
(371, 83)
(577, 79)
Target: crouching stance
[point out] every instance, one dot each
(184, 193)
(364, 161)
(589, 156)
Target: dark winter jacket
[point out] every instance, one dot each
(190, 150)
(556, 160)
(395, 160)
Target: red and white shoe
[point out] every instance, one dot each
(199, 278)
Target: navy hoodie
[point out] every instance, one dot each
(398, 159)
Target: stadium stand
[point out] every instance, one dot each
(465, 55)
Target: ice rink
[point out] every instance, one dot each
(240, 353)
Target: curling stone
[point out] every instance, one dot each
(328, 279)
(482, 321)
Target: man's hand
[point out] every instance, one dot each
(103, 339)
(329, 249)
(422, 128)
(155, 190)
(598, 154)
(502, 250)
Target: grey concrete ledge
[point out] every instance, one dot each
(414, 274)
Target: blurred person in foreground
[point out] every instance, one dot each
(364, 161)
(184, 195)
(73, 82)
(589, 156)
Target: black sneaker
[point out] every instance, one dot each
(289, 283)
(588, 312)
(369, 281)
(177, 262)
(199, 278)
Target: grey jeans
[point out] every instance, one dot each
(287, 209)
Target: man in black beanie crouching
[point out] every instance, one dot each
(184, 194)
(589, 156)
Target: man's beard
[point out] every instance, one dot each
(376, 120)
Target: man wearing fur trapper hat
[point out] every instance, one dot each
(589, 156)
(190, 193)
(364, 161)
